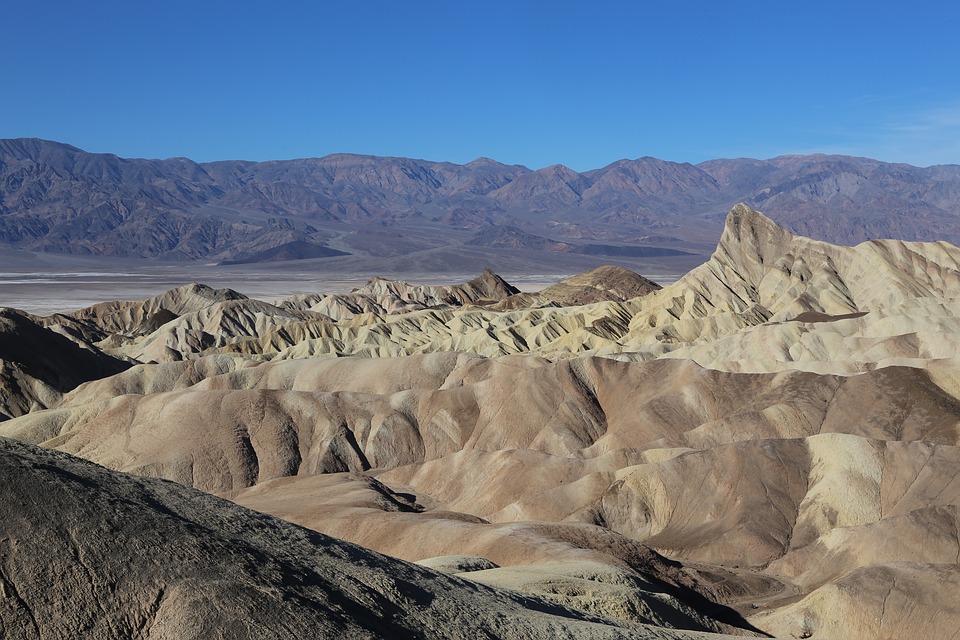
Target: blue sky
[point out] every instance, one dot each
(533, 83)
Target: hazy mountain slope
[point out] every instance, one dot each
(294, 250)
(847, 200)
(654, 184)
(510, 237)
(57, 198)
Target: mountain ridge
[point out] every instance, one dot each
(60, 199)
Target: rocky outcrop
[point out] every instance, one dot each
(90, 552)
(382, 297)
(38, 365)
(759, 475)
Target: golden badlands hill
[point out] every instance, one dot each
(768, 445)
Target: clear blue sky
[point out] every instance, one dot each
(533, 83)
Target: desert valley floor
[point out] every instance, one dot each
(768, 446)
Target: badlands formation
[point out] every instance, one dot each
(767, 447)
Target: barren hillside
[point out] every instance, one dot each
(768, 445)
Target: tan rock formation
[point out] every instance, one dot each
(381, 296)
(131, 557)
(783, 423)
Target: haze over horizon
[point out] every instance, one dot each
(530, 85)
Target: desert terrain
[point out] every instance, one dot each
(766, 445)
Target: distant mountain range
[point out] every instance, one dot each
(59, 199)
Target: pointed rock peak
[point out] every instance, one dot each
(372, 282)
(558, 169)
(494, 283)
(489, 273)
(749, 231)
(742, 213)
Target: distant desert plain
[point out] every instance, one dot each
(767, 445)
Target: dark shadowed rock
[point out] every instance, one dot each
(38, 365)
(295, 250)
(509, 237)
(93, 553)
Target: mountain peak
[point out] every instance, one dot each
(59, 199)
(748, 231)
(482, 161)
